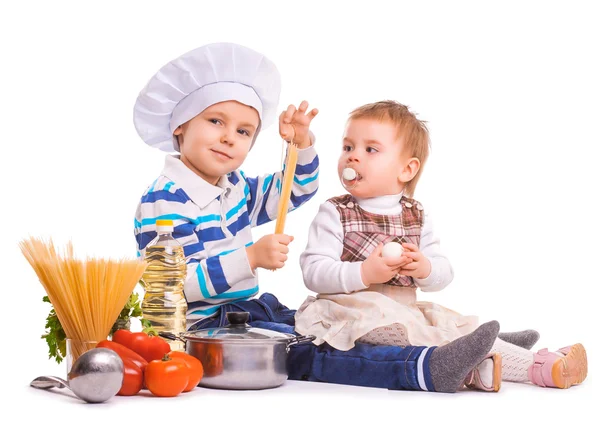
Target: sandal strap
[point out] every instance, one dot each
(473, 379)
(540, 372)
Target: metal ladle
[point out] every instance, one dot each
(96, 376)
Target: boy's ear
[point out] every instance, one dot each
(410, 170)
(179, 134)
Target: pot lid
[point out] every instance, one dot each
(238, 329)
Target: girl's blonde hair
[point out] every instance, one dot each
(411, 130)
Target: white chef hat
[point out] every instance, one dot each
(186, 86)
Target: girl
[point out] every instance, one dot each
(366, 297)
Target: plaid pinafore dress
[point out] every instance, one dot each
(342, 319)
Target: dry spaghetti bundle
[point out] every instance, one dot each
(87, 295)
(286, 187)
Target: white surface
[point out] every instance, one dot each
(510, 93)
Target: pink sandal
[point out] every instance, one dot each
(552, 370)
(475, 381)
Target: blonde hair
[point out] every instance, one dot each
(412, 130)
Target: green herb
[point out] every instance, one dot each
(55, 334)
(132, 308)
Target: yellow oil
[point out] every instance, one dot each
(164, 303)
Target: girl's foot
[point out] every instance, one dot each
(487, 376)
(525, 339)
(450, 363)
(566, 367)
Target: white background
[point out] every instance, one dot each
(510, 92)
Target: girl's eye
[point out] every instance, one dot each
(347, 148)
(371, 150)
(243, 132)
(215, 121)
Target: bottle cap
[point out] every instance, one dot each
(164, 226)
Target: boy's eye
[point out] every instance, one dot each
(243, 132)
(371, 150)
(347, 148)
(214, 121)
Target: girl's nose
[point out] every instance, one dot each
(353, 157)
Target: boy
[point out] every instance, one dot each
(209, 105)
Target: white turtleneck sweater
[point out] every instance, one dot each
(325, 273)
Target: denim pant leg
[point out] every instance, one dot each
(389, 367)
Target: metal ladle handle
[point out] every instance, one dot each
(47, 382)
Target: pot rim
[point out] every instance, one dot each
(286, 338)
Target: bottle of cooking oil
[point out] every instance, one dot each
(164, 303)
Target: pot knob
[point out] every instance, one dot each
(237, 319)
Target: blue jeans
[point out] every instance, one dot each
(390, 367)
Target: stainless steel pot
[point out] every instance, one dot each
(239, 356)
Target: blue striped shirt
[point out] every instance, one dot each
(213, 223)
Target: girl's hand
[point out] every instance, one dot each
(294, 124)
(420, 266)
(376, 269)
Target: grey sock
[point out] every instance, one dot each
(525, 339)
(449, 364)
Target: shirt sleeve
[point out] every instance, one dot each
(441, 270)
(263, 192)
(322, 267)
(206, 277)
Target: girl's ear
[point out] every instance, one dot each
(410, 170)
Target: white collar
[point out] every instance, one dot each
(200, 191)
(384, 205)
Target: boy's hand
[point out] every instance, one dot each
(270, 252)
(376, 269)
(420, 266)
(294, 124)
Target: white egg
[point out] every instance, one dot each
(349, 173)
(392, 249)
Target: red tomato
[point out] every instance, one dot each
(150, 347)
(125, 353)
(195, 366)
(138, 343)
(123, 336)
(167, 377)
(133, 378)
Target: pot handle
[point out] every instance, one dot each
(301, 339)
(171, 336)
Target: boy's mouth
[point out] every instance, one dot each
(221, 155)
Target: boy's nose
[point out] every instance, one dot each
(226, 138)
